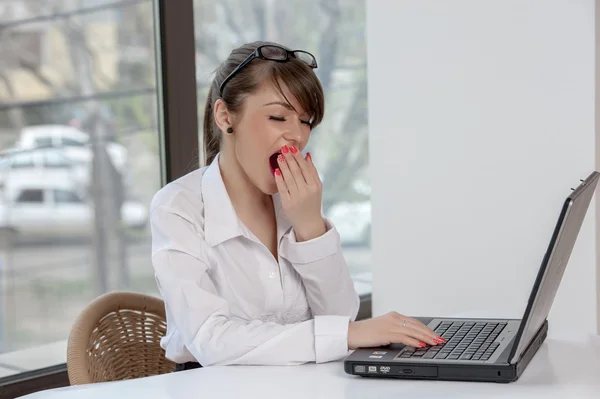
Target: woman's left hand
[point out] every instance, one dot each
(300, 189)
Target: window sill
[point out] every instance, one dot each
(30, 359)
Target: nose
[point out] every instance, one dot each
(296, 136)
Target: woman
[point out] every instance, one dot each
(249, 269)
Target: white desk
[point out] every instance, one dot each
(561, 369)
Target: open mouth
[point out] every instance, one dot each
(273, 162)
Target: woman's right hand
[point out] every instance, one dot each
(391, 328)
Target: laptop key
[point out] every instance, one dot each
(429, 355)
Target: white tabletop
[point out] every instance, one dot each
(562, 368)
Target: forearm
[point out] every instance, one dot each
(321, 265)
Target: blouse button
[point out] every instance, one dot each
(271, 274)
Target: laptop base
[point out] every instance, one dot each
(496, 372)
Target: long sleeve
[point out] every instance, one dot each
(203, 318)
(322, 267)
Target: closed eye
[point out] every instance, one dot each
(282, 119)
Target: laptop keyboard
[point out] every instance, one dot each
(465, 341)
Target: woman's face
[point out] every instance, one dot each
(265, 124)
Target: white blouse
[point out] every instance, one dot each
(228, 301)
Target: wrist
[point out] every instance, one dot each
(310, 230)
(351, 330)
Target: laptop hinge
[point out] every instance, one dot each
(539, 335)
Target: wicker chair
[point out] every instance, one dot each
(117, 337)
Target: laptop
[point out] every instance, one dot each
(492, 350)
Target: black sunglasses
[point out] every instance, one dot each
(272, 53)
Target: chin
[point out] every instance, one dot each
(271, 189)
(265, 186)
(268, 185)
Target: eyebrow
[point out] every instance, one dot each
(283, 104)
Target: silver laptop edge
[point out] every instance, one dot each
(554, 263)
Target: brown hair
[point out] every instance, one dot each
(298, 77)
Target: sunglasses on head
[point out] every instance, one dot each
(272, 53)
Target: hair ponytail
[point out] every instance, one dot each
(212, 141)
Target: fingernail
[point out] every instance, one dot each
(441, 339)
(422, 344)
(309, 156)
(293, 149)
(280, 158)
(285, 149)
(277, 172)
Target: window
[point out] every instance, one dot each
(43, 142)
(55, 160)
(89, 80)
(66, 197)
(71, 142)
(31, 196)
(23, 160)
(97, 71)
(333, 31)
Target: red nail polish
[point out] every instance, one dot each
(441, 339)
(280, 158)
(422, 344)
(309, 156)
(277, 172)
(285, 149)
(293, 149)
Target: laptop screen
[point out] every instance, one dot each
(554, 263)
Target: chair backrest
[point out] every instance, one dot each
(117, 337)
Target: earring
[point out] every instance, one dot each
(229, 130)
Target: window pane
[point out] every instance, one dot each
(334, 32)
(22, 160)
(71, 142)
(54, 159)
(42, 142)
(65, 197)
(13, 11)
(30, 196)
(89, 76)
